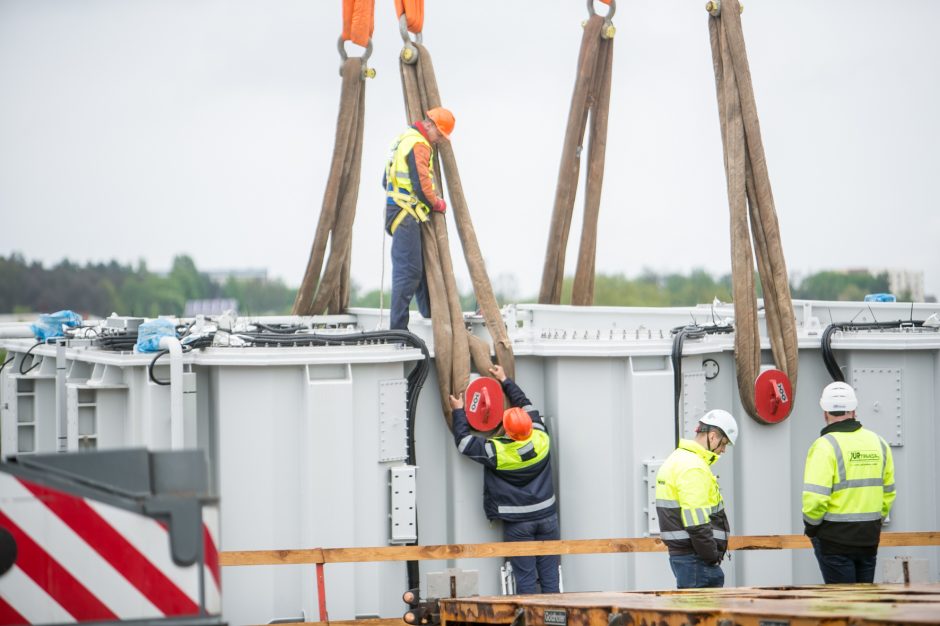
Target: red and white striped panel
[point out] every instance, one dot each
(81, 560)
(210, 541)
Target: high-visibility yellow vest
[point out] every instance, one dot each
(849, 477)
(687, 494)
(398, 185)
(515, 455)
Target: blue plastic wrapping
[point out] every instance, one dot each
(150, 333)
(51, 324)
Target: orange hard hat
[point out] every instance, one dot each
(517, 423)
(443, 119)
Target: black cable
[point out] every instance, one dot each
(28, 352)
(116, 340)
(415, 383)
(7, 362)
(201, 342)
(183, 330)
(285, 329)
(150, 367)
(681, 333)
(829, 357)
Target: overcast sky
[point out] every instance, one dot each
(137, 129)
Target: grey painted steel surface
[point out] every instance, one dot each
(295, 441)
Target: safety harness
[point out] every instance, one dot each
(398, 185)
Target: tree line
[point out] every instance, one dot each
(102, 288)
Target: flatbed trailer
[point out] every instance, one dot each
(822, 605)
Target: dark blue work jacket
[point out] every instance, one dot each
(517, 480)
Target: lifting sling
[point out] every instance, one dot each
(752, 211)
(330, 293)
(454, 346)
(591, 96)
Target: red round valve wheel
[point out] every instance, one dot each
(773, 396)
(484, 404)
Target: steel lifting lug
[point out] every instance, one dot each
(409, 53)
(340, 45)
(611, 9)
(714, 7)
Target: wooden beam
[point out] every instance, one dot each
(372, 621)
(271, 557)
(530, 548)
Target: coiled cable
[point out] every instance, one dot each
(829, 357)
(680, 334)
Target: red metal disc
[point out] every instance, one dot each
(773, 396)
(484, 403)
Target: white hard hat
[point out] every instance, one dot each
(838, 397)
(723, 420)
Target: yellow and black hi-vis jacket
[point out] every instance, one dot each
(848, 488)
(517, 480)
(692, 517)
(409, 179)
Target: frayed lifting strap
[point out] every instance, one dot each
(454, 347)
(752, 214)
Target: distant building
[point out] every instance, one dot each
(903, 282)
(220, 277)
(211, 307)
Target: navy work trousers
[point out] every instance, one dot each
(408, 279)
(692, 572)
(845, 568)
(528, 569)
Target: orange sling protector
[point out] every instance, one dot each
(358, 21)
(413, 10)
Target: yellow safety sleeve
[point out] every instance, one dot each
(889, 492)
(694, 492)
(818, 475)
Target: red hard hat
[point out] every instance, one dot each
(443, 119)
(517, 423)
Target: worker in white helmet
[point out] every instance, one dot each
(848, 490)
(692, 519)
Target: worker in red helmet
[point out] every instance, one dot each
(517, 482)
(411, 196)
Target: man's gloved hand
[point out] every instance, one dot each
(440, 206)
(809, 530)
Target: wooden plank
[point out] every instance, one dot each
(925, 538)
(829, 605)
(378, 621)
(270, 557)
(531, 548)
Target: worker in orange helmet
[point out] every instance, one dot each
(411, 197)
(517, 482)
